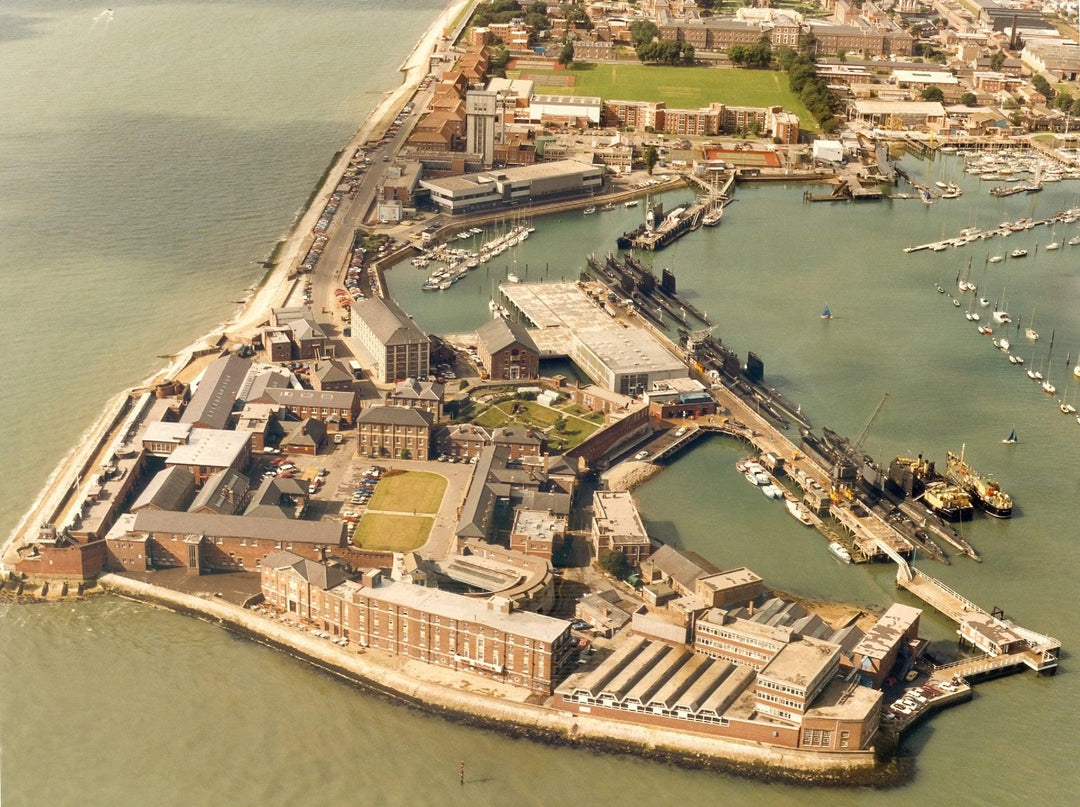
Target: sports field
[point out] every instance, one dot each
(392, 533)
(679, 87)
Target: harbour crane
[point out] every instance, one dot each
(857, 445)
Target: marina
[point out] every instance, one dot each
(816, 376)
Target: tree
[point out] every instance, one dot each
(969, 99)
(1063, 101)
(933, 94)
(566, 55)
(1042, 86)
(642, 32)
(651, 157)
(614, 562)
(841, 55)
(997, 61)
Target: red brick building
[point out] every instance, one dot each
(200, 542)
(440, 628)
(507, 351)
(394, 431)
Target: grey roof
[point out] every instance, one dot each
(500, 333)
(258, 383)
(212, 448)
(411, 389)
(275, 498)
(515, 435)
(213, 525)
(306, 397)
(170, 489)
(480, 500)
(224, 493)
(557, 503)
(390, 324)
(332, 371)
(306, 328)
(308, 432)
(213, 401)
(318, 574)
(395, 415)
(684, 568)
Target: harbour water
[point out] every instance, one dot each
(150, 160)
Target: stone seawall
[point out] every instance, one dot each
(520, 719)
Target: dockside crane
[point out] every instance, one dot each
(857, 445)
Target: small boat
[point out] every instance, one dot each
(1018, 253)
(826, 314)
(996, 259)
(510, 276)
(1048, 388)
(1074, 241)
(631, 203)
(590, 210)
(840, 552)
(985, 330)
(955, 302)
(1034, 375)
(1012, 438)
(799, 513)
(1031, 334)
(1076, 370)
(1052, 246)
(1001, 317)
(771, 491)
(1014, 359)
(983, 302)
(939, 288)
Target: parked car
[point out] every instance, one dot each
(641, 455)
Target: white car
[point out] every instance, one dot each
(641, 455)
(681, 431)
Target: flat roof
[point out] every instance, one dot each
(538, 524)
(800, 662)
(629, 350)
(888, 630)
(616, 514)
(732, 578)
(213, 448)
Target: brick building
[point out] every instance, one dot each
(616, 526)
(201, 543)
(394, 431)
(506, 350)
(395, 344)
(424, 624)
(426, 396)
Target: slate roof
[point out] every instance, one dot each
(213, 400)
(212, 525)
(683, 568)
(170, 489)
(386, 319)
(224, 493)
(317, 574)
(395, 415)
(500, 333)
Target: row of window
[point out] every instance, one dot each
(676, 713)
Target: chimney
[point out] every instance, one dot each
(751, 607)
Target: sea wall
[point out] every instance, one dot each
(537, 722)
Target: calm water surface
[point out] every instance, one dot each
(148, 161)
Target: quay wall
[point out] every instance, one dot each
(523, 719)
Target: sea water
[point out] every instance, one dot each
(149, 160)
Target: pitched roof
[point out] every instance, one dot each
(223, 493)
(516, 435)
(317, 574)
(386, 319)
(275, 499)
(500, 333)
(395, 415)
(170, 489)
(213, 401)
(411, 389)
(332, 371)
(308, 432)
(213, 525)
(331, 399)
(684, 568)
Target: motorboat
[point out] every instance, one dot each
(839, 552)
(773, 492)
(1018, 253)
(799, 513)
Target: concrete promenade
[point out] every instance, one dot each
(480, 700)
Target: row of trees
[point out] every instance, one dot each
(666, 53)
(805, 83)
(758, 55)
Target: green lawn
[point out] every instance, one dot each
(681, 87)
(539, 417)
(392, 533)
(413, 491)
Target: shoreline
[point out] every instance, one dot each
(264, 294)
(534, 722)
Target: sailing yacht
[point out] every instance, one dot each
(1047, 387)
(826, 314)
(1012, 439)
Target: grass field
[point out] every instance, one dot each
(392, 533)
(540, 417)
(412, 491)
(681, 87)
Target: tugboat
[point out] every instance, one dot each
(985, 493)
